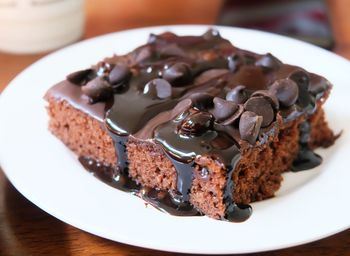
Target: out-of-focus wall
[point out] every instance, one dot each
(141, 13)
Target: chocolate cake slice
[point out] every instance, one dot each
(192, 124)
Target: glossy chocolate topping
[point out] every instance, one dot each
(194, 96)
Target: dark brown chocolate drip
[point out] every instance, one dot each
(133, 109)
(234, 212)
(181, 197)
(190, 71)
(161, 200)
(166, 202)
(306, 159)
(120, 149)
(185, 148)
(111, 176)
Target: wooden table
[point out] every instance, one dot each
(27, 230)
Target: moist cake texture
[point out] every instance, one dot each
(192, 124)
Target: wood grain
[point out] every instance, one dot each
(27, 230)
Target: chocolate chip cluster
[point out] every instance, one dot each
(267, 62)
(171, 75)
(101, 84)
(246, 110)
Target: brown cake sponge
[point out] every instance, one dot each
(256, 176)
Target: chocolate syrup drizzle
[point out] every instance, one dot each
(162, 200)
(182, 120)
(306, 159)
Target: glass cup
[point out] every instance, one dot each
(32, 26)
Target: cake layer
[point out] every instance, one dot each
(256, 177)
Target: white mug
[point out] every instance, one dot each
(32, 26)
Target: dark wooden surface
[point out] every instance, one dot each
(27, 230)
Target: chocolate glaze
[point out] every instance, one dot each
(306, 159)
(111, 176)
(183, 151)
(72, 94)
(120, 149)
(181, 121)
(159, 199)
(184, 180)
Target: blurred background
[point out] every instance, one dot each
(30, 29)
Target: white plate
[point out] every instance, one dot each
(310, 205)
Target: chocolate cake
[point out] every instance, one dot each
(192, 124)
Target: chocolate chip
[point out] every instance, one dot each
(269, 96)
(234, 62)
(202, 100)
(119, 74)
(318, 84)
(223, 109)
(286, 91)
(302, 80)
(81, 77)
(211, 33)
(249, 126)
(262, 107)
(235, 116)
(238, 95)
(158, 88)
(268, 62)
(171, 50)
(97, 89)
(177, 74)
(197, 123)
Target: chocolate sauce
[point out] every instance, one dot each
(234, 212)
(111, 176)
(306, 158)
(168, 202)
(186, 147)
(184, 181)
(120, 149)
(161, 200)
(187, 94)
(237, 212)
